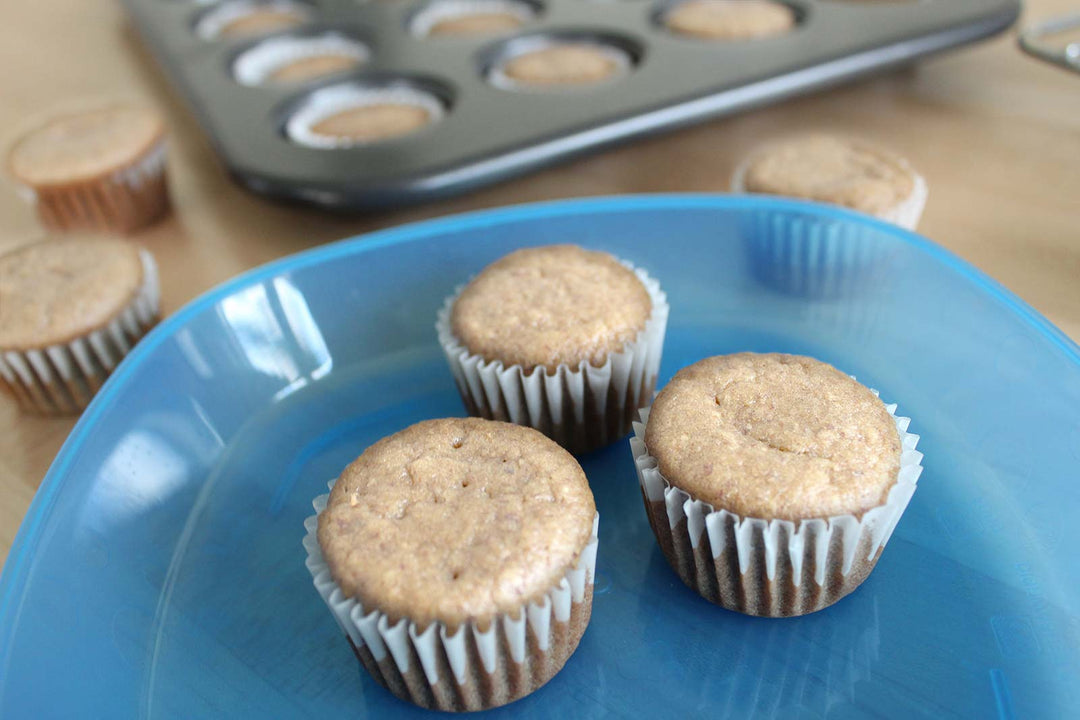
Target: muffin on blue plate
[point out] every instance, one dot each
(773, 482)
(559, 338)
(457, 556)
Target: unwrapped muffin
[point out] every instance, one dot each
(458, 557)
(773, 482)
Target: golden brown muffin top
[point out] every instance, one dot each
(478, 23)
(730, 19)
(313, 66)
(369, 123)
(544, 306)
(833, 170)
(455, 520)
(262, 21)
(54, 291)
(567, 63)
(774, 437)
(85, 145)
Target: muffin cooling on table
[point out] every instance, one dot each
(559, 338)
(773, 482)
(70, 310)
(458, 556)
(102, 169)
(836, 170)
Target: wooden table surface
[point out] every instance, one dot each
(995, 132)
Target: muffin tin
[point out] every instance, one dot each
(487, 132)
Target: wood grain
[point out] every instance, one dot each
(995, 132)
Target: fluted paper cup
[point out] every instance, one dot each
(581, 408)
(769, 567)
(469, 667)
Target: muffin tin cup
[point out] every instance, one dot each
(905, 213)
(426, 19)
(497, 77)
(63, 378)
(327, 101)
(469, 667)
(213, 21)
(770, 568)
(121, 201)
(255, 66)
(581, 408)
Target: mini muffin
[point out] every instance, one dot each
(291, 60)
(458, 557)
(471, 18)
(555, 64)
(729, 19)
(102, 169)
(839, 171)
(70, 310)
(349, 115)
(559, 338)
(796, 476)
(239, 19)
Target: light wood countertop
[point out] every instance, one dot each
(995, 132)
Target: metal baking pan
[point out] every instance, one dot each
(490, 134)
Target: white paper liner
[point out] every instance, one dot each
(433, 14)
(64, 378)
(214, 21)
(498, 77)
(327, 101)
(470, 668)
(773, 568)
(906, 213)
(255, 66)
(580, 408)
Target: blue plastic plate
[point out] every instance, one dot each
(159, 572)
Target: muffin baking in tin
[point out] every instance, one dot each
(290, 59)
(471, 18)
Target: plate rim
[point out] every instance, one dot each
(14, 574)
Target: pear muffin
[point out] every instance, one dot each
(560, 338)
(355, 114)
(729, 20)
(560, 64)
(836, 170)
(95, 170)
(471, 18)
(798, 472)
(461, 530)
(70, 310)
